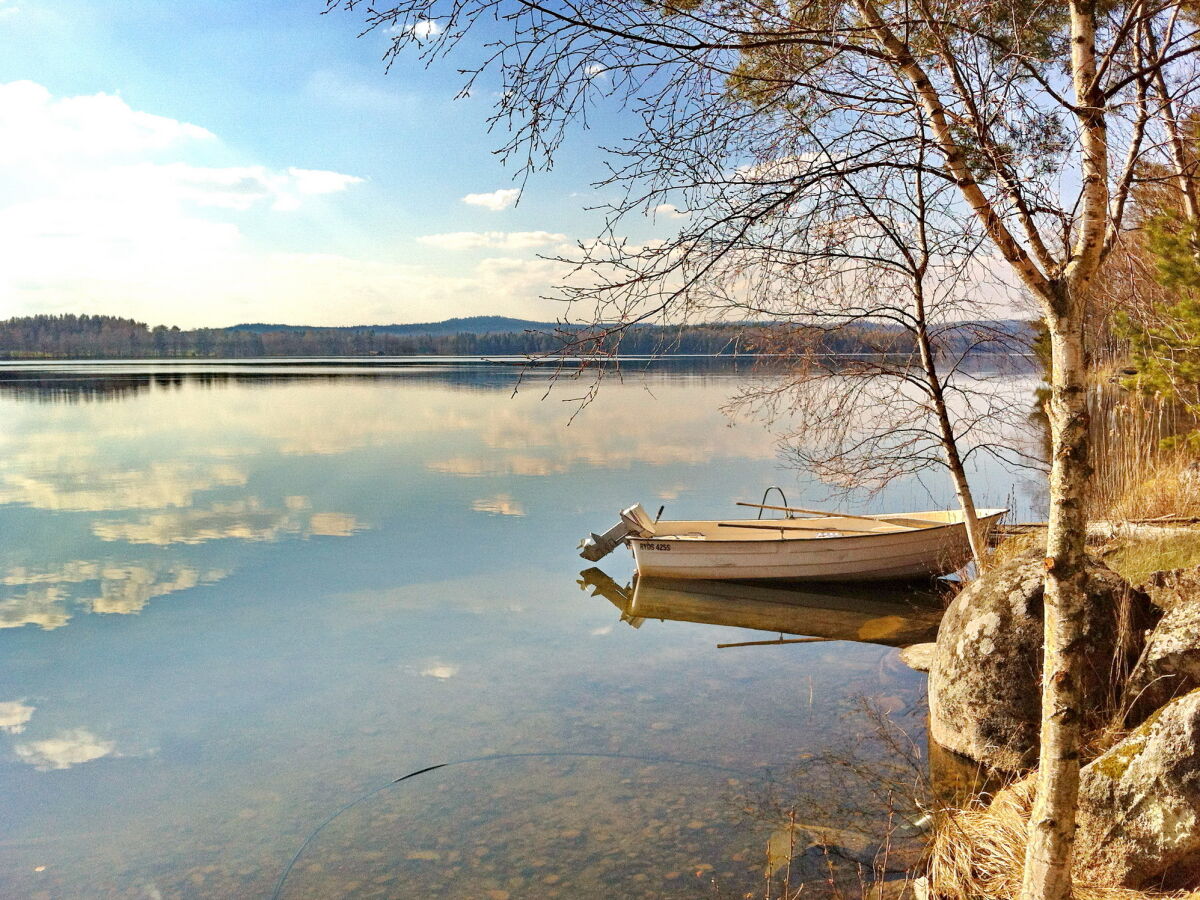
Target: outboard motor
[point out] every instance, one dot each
(634, 523)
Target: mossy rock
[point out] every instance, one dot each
(1139, 804)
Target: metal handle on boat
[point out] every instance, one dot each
(763, 505)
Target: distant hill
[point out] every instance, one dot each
(467, 325)
(109, 337)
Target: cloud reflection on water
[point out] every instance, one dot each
(123, 589)
(441, 671)
(44, 606)
(14, 716)
(499, 505)
(68, 748)
(183, 467)
(247, 520)
(172, 483)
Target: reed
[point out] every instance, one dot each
(1141, 469)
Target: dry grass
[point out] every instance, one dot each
(1135, 559)
(1127, 433)
(1017, 545)
(1168, 486)
(978, 853)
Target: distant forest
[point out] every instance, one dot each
(109, 337)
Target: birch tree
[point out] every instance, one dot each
(935, 390)
(1040, 114)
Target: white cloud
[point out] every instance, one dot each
(501, 240)
(424, 29)
(41, 128)
(14, 716)
(670, 211)
(105, 208)
(321, 181)
(69, 748)
(593, 70)
(233, 187)
(496, 200)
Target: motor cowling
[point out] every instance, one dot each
(634, 523)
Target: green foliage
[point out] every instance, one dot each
(1165, 352)
(1175, 244)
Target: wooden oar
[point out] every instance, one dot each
(805, 640)
(767, 527)
(908, 523)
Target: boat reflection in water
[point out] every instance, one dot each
(895, 616)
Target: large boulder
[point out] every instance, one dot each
(1139, 804)
(985, 682)
(1170, 664)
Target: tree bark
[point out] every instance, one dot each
(958, 474)
(962, 489)
(1048, 856)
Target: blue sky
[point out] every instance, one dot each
(223, 161)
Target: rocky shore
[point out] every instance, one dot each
(1139, 801)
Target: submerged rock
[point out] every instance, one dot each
(918, 656)
(1139, 804)
(985, 681)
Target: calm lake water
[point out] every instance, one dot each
(236, 601)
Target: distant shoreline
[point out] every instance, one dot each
(30, 363)
(72, 337)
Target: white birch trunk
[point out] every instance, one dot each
(1047, 873)
(1048, 856)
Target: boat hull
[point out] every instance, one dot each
(886, 556)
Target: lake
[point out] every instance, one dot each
(237, 603)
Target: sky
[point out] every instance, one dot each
(222, 161)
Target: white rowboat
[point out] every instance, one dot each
(825, 548)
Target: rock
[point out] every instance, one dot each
(985, 681)
(1139, 804)
(1170, 664)
(1167, 589)
(918, 656)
